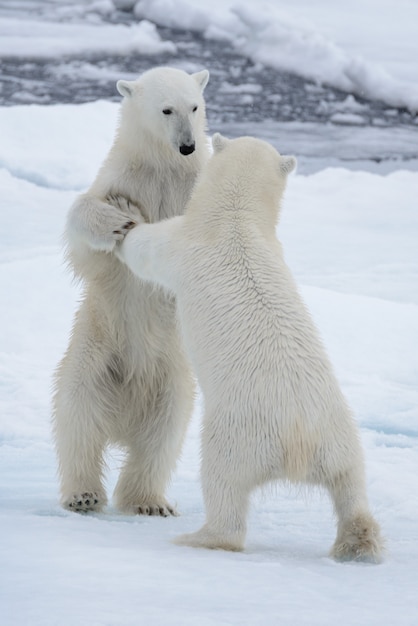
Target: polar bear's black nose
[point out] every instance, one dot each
(187, 149)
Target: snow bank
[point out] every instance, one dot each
(272, 35)
(35, 38)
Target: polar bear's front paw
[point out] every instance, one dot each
(127, 207)
(84, 502)
(120, 233)
(109, 223)
(116, 230)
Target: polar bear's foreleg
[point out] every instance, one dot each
(149, 250)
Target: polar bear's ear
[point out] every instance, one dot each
(125, 88)
(219, 142)
(287, 164)
(202, 78)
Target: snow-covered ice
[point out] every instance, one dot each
(350, 236)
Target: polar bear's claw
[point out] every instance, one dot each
(124, 229)
(164, 510)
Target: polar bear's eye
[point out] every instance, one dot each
(194, 109)
(167, 111)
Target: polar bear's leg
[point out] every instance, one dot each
(226, 512)
(226, 486)
(79, 423)
(155, 443)
(358, 535)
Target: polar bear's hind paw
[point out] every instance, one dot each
(158, 510)
(84, 502)
(152, 507)
(204, 538)
(359, 541)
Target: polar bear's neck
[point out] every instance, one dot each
(237, 200)
(149, 174)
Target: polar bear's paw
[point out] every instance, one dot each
(161, 510)
(151, 508)
(205, 538)
(126, 208)
(359, 540)
(84, 502)
(101, 225)
(121, 232)
(104, 237)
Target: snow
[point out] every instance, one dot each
(350, 238)
(371, 51)
(349, 231)
(26, 38)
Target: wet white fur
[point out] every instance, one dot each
(272, 406)
(124, 378)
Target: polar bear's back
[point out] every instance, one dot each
(248, 316)
(258, 357)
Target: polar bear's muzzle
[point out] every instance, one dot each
(187, 148)
(182, 134)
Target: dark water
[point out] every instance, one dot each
(240, 96)
(270, 94)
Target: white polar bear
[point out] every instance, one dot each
(273, 407)
(124, 378)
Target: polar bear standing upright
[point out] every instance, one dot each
(124, 378)
(273, 407)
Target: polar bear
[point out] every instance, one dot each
(272, 405)
(124, 379)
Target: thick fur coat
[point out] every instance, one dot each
(273, 407)
(124, 378)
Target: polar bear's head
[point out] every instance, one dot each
(246, 176)
(165, 105)
(254, 149)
